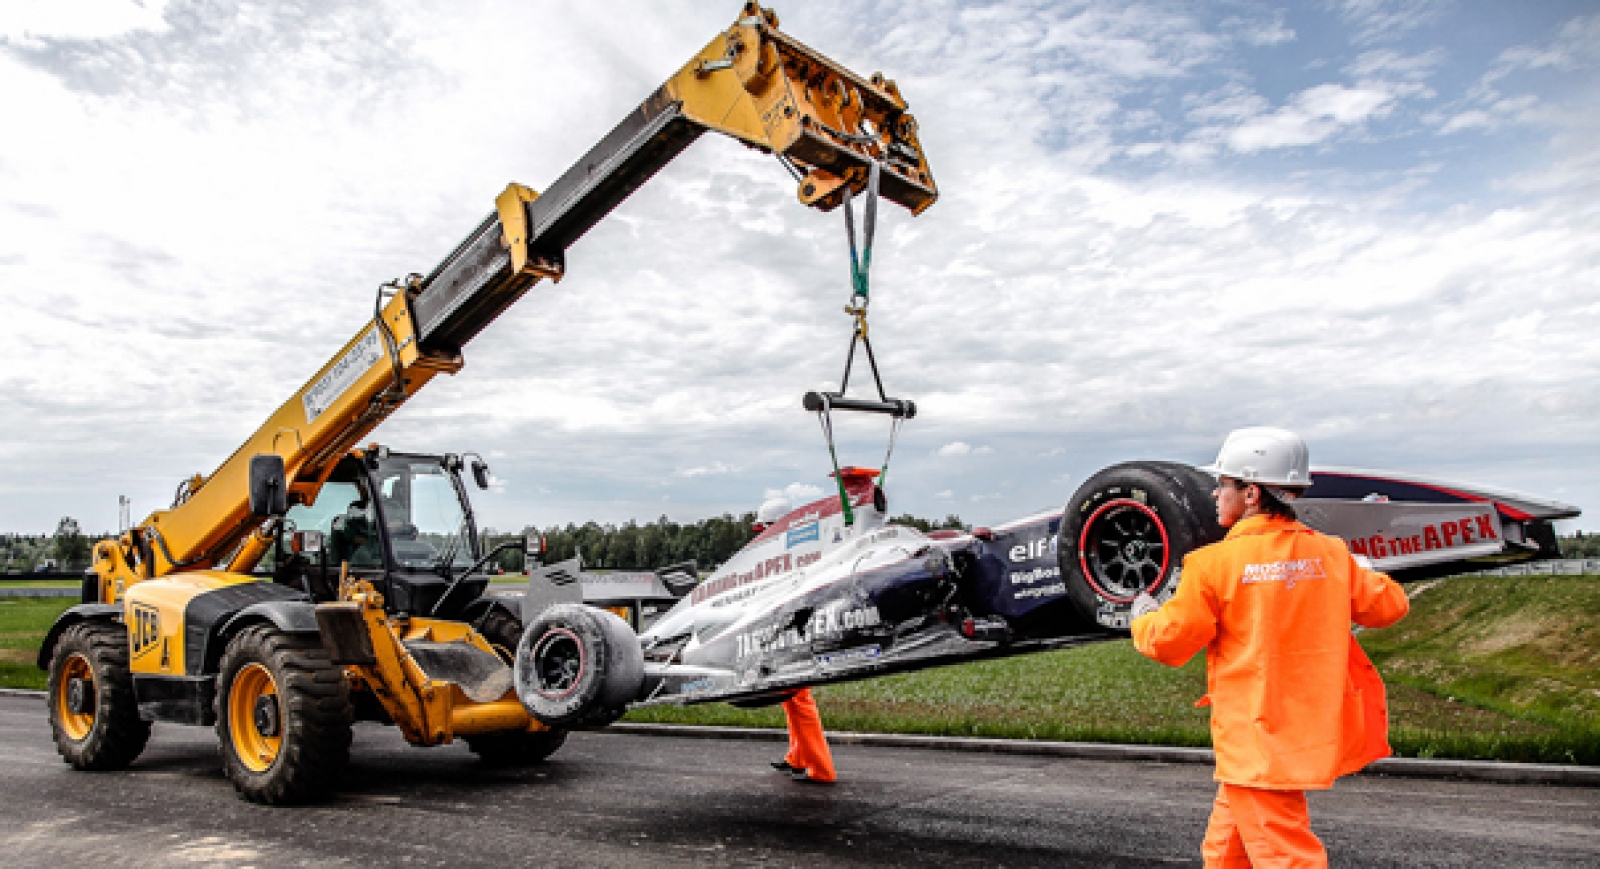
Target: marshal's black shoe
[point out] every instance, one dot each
(782, 765)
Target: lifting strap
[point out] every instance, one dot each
(825, 403)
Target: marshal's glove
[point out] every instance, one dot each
(1143, 605)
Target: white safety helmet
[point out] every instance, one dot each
(772, 510)
(1268, 456)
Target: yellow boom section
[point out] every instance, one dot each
(752, 82)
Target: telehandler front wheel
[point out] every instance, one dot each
(93, 713)
(283, 717)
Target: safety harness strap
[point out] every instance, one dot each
(860, 295)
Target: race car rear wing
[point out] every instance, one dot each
(1416, 527)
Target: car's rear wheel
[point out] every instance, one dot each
(1126, 531)
(511, 748)
(578, 666)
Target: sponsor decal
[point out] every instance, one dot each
(849, 657)
(705, 683)
(838, 619)
(777, 564)
(806, 534)
(346, 370)
(1029, 577)
(1033, 549)
(828, 621)
(1443, 535)
(768, 639)
(1041, 591)
(1287, 572)
(737, 595)
(145, 631)
(1112, 616)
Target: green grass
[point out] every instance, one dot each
(23, 623)
(1518, 656)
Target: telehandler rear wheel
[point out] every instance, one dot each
(93, 713)
(283, 717)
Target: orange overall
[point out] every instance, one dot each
(808, 748)
(1294, 701)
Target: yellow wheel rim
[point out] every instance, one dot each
(255, 720)
(76, 724)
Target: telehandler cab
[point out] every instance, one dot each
(374, 609)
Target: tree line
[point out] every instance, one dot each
(67, 549)
(632, 546)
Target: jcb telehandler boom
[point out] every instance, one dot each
(176, 624)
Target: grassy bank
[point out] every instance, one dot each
(1503, 668)
(1518, 657)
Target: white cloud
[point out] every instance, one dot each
(1384, 20)
(796, 493)
(26, 21)
(962, 448)
(1313, 116)
(705, 470)
(186, 234)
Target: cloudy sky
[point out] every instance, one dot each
(1373, 221)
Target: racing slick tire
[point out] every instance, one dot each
(1126, 531)
(578, 666)
(283, 717)
(511, 748)
(94, 715)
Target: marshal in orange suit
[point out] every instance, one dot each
(808, 758)
(1294, 701)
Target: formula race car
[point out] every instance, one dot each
(816, 599)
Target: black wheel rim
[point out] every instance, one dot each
(1123, 550)
(558, 663)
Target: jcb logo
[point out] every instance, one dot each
(146, 629)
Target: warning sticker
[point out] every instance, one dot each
(321, 395)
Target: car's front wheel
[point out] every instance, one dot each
(1126, 531)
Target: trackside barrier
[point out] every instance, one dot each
(1552, 567)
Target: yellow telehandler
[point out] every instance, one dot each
(308, 583)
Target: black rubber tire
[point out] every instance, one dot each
(1127, 529)
(516, 749)
(578, 666)
(118, 735)
(314, 704)
(504, 632)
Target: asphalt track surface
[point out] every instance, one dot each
(621, 800)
